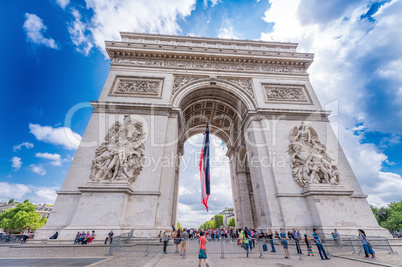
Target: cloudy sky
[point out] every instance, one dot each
(53, 60)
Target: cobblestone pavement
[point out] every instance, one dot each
(158, 260)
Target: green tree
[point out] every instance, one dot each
(11, 201)
(23, 216)
(26, 201)
(232, 223)
(389, 217)
(218, 221)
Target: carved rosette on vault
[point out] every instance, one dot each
(310, 161)
(120, 157)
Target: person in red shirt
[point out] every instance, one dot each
(202, 251)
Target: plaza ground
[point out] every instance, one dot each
(95, 255)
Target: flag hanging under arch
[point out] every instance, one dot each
(204, 169)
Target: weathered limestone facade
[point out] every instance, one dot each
(287, 168)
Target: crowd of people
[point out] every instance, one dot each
(84, 238)
(247, 239)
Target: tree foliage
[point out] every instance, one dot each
(232, 223)
(23, 216)
(218, 221)
(11, 201)
(389, 217)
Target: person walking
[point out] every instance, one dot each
(245, 238)
(338, 237)
(184, 238)
(165, 240)
(320, 248)
(309, 246)
(296, 238)
(284, 239)
(177, 240)
(26, 235)
(202, 250)
(366, 244)
(270, 236)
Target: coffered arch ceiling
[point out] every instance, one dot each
(224, 111)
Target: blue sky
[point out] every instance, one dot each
(53, 59)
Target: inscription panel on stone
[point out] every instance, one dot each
(137, 86)
(280, 93)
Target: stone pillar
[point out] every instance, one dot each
(262, 178)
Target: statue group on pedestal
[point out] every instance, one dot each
(310, 161)
(121, 154)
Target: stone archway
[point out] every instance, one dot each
(259, 100)
(226, 113)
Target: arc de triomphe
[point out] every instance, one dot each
(287, 168)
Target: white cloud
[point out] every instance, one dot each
(55, 158)
(35, 29)
(111, 17)
(213, 3)
(37, 169)
(79, 34)
(16, 163)
(20, 192)
(45, 195)
(387, 189)
(25, 144)
(227, 31)
(341, 42)
(63, 3)
(58, 136)
(16, 191)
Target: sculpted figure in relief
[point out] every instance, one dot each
(310, 161)
(120, 156)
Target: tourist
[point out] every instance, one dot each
(252, 235)
(191, 233)
(261, 235)
(92, 237)
(320, 248)
(184, 238)
(54, 236)
(82, 237)
(245, 238)
(26, 235)
(271, 241)
(109, 237)
(366, 245)
(77, 237)
(160, 237)
(309, 246)
(338, 237)
(277, 235)
(296, 237)
(284, 240)
(202, 251)
(335, 239)
(166, 235)
(86, 238)
(177, 240)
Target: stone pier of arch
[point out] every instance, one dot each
(257, 97)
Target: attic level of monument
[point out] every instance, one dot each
(207, 50)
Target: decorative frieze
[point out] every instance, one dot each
(137, 86)
(181, 80)
(285, 93)
(245, 83)
(211, 65)
(120, 157)
(310, 161)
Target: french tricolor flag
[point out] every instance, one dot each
(204, 169)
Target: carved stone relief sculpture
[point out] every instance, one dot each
(120, 156)
(310, 161)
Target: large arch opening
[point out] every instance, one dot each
(225, 107)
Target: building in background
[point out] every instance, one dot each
(43, 210)
(227, 213)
